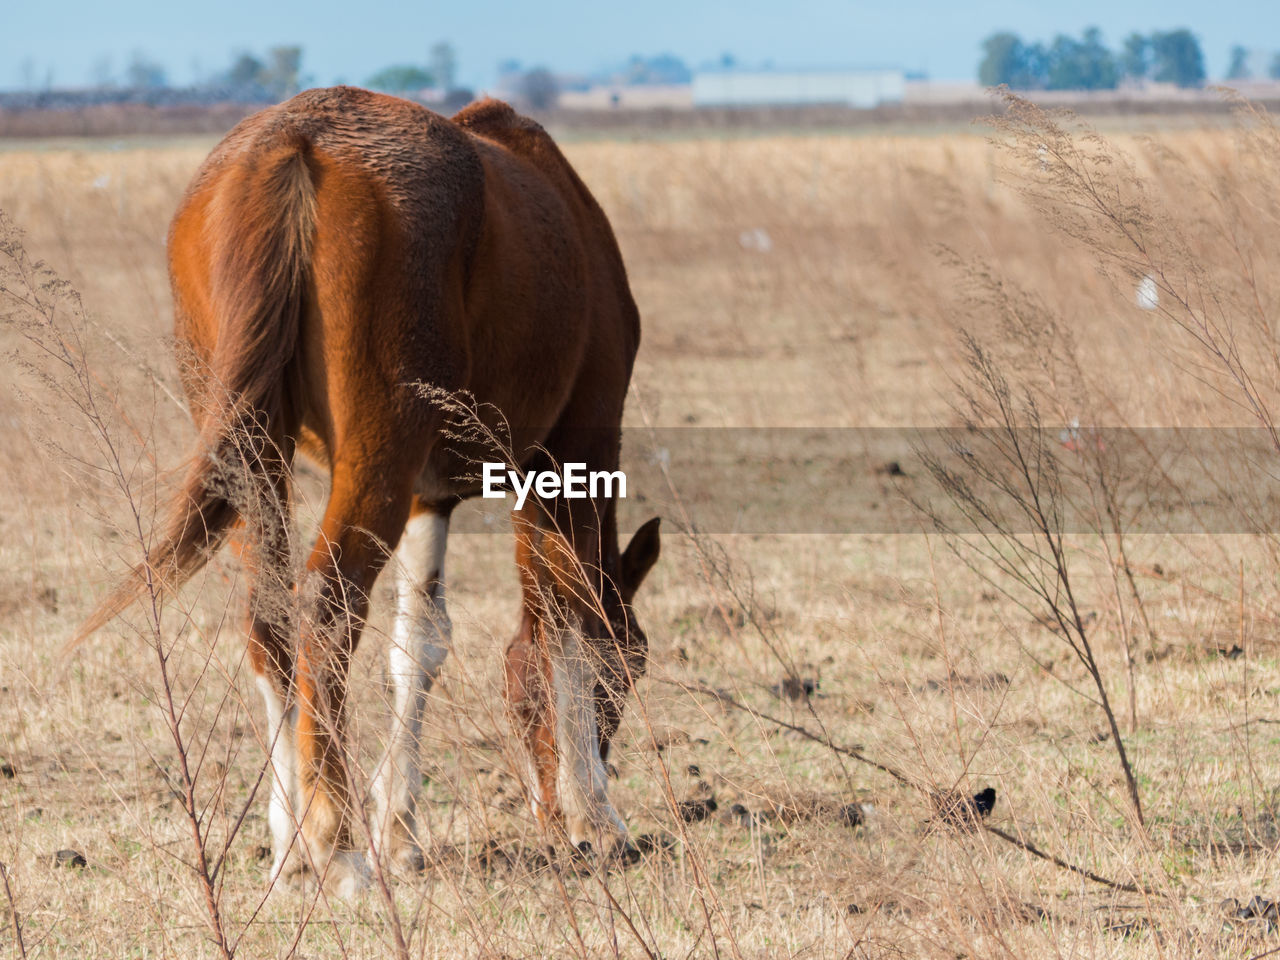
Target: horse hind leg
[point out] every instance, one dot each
(419, 647)
(271, 657)
(265, 553)
(364, 519)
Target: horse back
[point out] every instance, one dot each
(464, 253)
(540, 215)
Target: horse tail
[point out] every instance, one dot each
(259, 225)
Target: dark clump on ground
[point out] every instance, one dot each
(963, 813)
(69, 858)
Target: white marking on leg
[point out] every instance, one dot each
(537, 802)
(581, 779)
(420, 643)
(281, 724)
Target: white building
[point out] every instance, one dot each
(748, 88)
(635, 96)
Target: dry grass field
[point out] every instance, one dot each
(829, 692)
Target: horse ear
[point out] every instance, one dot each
(639, 557)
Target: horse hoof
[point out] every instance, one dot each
(406, 859)
(346, 874)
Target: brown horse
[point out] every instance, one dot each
(332, 255)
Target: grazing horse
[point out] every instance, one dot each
(333, 255)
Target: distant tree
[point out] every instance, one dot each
(1037, 61)
(1135, 58)
(1239, 69)
(401, 79)
(1176, 58)
(104, 77)
(246, 71)
(457, 98)
(442, 64)
(1065, 64)
(144, 73)
(668, 68)
(664, 68)
(1003, 58)
(538, 88)
(1101, 70)
(282, 70)
(1273, 68)
(1084, 64)
(728, 61)
(1006, 59)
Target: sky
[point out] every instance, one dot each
(348, 40)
